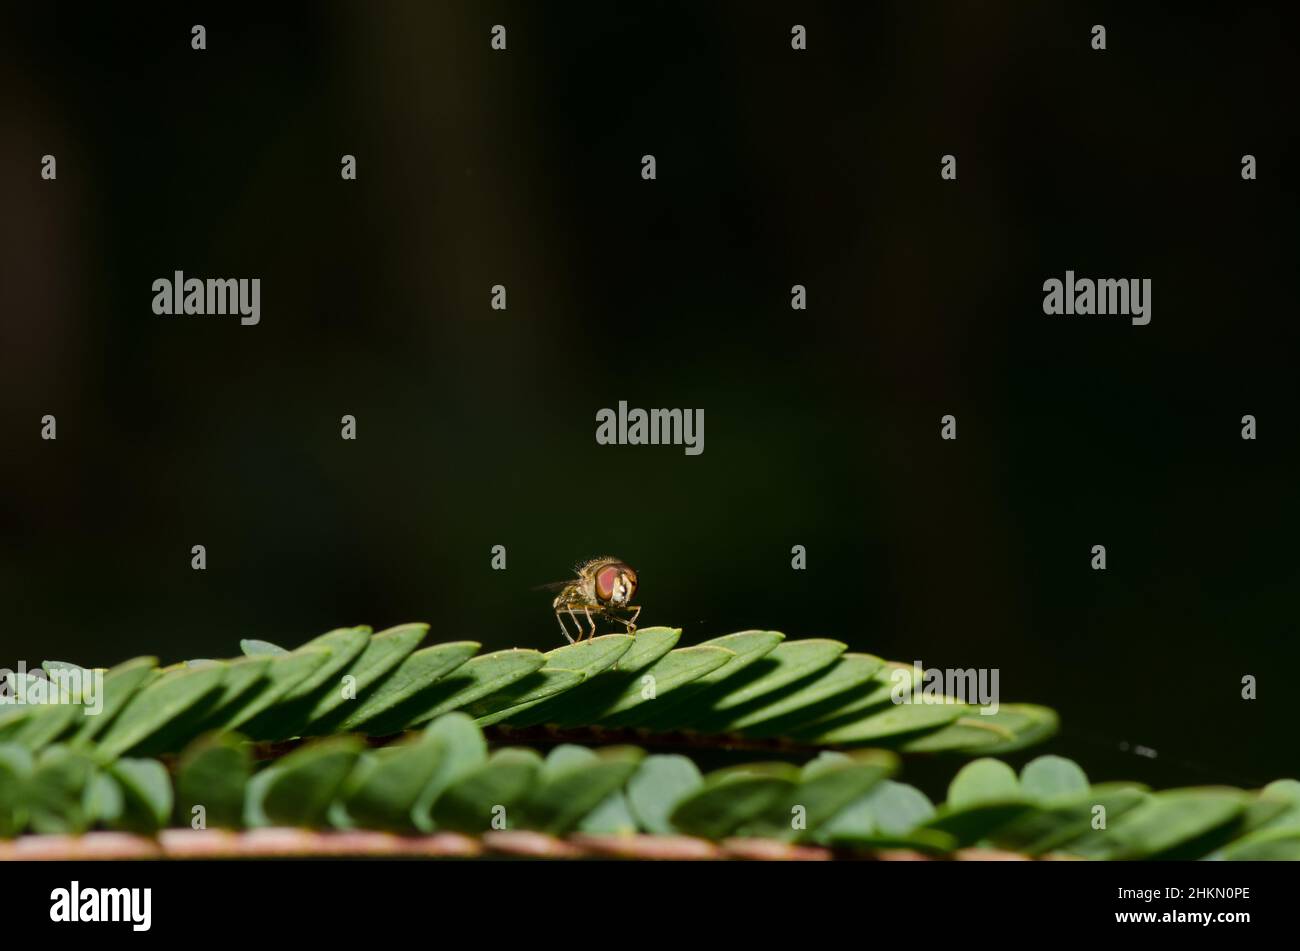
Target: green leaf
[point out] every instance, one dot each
(590, 657)
(53, 667)
(146, 795)
(564, 757)
(1168, 824)
(241, 678)
(578, 706)
(459, 748)
(681, 706)
(759, 684)
(1287, 789)
(282, 674)
(889, 810)
(38, 707)
(213, 773)
(808, 691)
(103, 800)
(384, 797)
(1267, 845)
(890, 816)
(585, 657)
(875, 695)
(981, 781)
(894, 720)
(649, 644)
(984, 796)
(432, 678)
(659, 783)
(971, 824)
(494, 790)
(16, 766)
(255, 797)
(570, 790)
(344, 645)
(1285, 792)
(12, 716)
(54, 791)
(1030, 724)
(899, 808)
(971, 734)
(307, 780)
(730, 798)
(847, 674)
(1064, 820)
(255, 648)
(244, 678)
(536, 687)
(286, 718)
(827, 785)
(417, 673)
(45, 723)
(1276, 808)
(611, 817)
(1053, 777)
(1013, 727)
(155, 706)
(666, 675)
(475, 679)
(384, 652)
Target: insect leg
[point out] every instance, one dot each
(587, 611)
(559, 618)
(631, 622)
(577, 625)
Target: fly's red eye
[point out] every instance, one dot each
(605, 579)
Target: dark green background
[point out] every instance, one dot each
(821, 428)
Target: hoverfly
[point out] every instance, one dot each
(604, 588)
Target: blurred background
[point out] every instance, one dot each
(476, 427)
